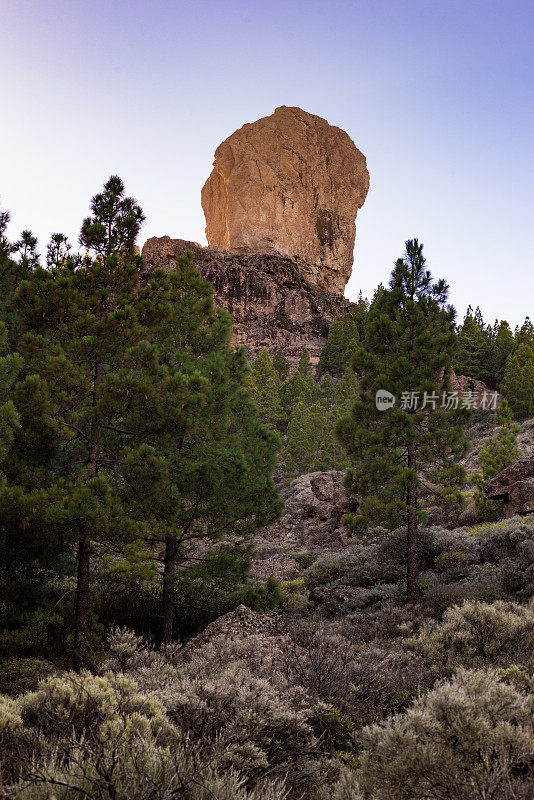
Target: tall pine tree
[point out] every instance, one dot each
(397, 452)
(472, 356)
(517, 385)
(264, 387)
(339, 347)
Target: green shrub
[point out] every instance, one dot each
(382, 594)
(450, 560)
(326, 569)
(141, 770)
(84, 706)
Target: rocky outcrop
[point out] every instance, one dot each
(514, 485)
(314, 506)
(483, 428)
(483, 397)
(271, 303)
(291, 184)
(253, 639)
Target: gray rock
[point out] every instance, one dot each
(514, 485)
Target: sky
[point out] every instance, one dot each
(437, 94)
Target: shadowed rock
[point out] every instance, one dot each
(271, 303)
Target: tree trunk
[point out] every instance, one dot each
(167, 601)
(81, 622)
(412, 572)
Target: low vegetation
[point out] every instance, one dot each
(138, 658)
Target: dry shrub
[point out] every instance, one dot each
(477, 634)
(470, 738)
(17, 742)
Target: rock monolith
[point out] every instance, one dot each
(291, 184)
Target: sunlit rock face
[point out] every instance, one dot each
(290, 184)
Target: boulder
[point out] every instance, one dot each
(291, 184)
(514, 485)
(314, 506)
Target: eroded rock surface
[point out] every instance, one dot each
(315, 505)
(271, 303)
(291, 184)
(484, 398)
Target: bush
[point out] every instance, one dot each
(451, 560)
(477, 634)
(472, 737)
(141, 770)
(381, 624)
(86, 706)
(16, 742)
(383, 594)
(354, 685)
(223, 695)
(328, 568)
(346, 787)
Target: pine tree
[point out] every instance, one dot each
(359, 315)
(301, 386)
(394, 453)
(339, 347)
(10, 365)
(27, 248)
(217, 479)
(473, 347)
(503, 344)
(13, 270)
(499, 452)
(30, 550)
(57, 251)
(151, 426)
(517, 385)
(310, 440)
(281, 365)
(264, 387)
(525, 334)
(305, 433)
(304, 367)
(496, 454)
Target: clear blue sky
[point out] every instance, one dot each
(438, 94)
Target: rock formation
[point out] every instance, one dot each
(314, 506)
(514, 485)
(272, 305)
(485, 398)
(291, 184)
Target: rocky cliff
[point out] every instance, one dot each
(272, 304)
(290, 184)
